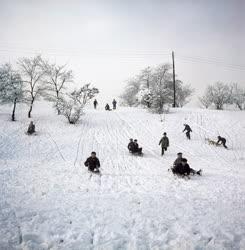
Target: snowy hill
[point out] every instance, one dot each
(50, 201)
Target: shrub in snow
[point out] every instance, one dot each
(11, 87)
(71, 105)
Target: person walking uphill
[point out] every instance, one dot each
(114, 104)
(188, 131)
(95, 104)
(93, 163)
(164, 142)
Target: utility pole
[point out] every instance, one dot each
(174, 87)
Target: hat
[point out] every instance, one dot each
(164, 133)
(93, 153)
(184, 160)
(179, 153)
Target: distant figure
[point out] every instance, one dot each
(31, 128)
(221, 141)
(137, 149)
(188, 131)
(93, 163)
(95, 104)
(183, 169)
(131, 146)
(107, 107)
(114, 103)
(178, 159)
(164, 142)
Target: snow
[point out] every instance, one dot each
(49, 200)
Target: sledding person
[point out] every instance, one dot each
(31, 128)
(92, 163)
(107, 107)
(183, 169)
(221, 141)
(114, 104)
(137, 149)
(95, 104)
(164, 142)
(178, 159)
(188, 131)
(131, 146)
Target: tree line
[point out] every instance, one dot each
(153, 88)
(220, 94)
(36, 78)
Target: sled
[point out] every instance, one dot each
(33, 134)
(136, 153)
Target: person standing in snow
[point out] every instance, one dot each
(221, 141)
(183, 169)
(164, 142)
(188, 131)
(114, 103)
(92, 163)
(31, 128)
(95, 104)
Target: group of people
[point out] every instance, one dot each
(133, 147)
(107, 106)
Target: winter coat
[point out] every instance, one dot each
(182, 169)
(222, 140)
(92, 163)
(131, 146)
(177, 161)
(31, 129)
(164, 142)
(187, 128)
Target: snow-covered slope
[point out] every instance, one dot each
(49, 201)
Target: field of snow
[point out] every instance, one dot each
(49, 200)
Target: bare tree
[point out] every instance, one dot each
(219, 94)
(238, 96)
(33, 76)
(11, 87)
(205, 101)
(56, 79)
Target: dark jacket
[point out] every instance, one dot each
(187, 128)
(181, 169)
(222, 140)
(177, 161)
(131, 146)
(92, 163)
(31, 128)
(164, 142)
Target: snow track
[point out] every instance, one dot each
(50, 201)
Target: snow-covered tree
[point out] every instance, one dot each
(57, 77)
(205, 101)
(32, 73)
(129, 95)
(153, 88)
(11, 87)
(219, 94)
(238, 96)
(71, 105)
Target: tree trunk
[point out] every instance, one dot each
(30, 110)
(13, 112)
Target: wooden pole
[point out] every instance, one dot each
(174, 87)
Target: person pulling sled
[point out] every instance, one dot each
(221, 141)
(93, 163)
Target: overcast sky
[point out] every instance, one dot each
(106, 42)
